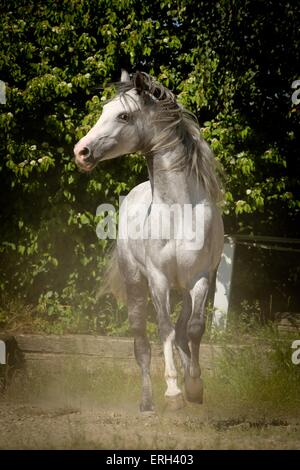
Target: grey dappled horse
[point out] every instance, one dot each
(145, 117)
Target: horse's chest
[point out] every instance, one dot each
(173, 258)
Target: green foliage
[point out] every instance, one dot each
(230, 62)
(258, 379)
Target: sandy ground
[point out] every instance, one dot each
(28, 426)
(72, 406)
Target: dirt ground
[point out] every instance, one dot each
(42, 426)
(69, 406)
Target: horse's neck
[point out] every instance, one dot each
(169, 185)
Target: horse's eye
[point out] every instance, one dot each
(124, 117)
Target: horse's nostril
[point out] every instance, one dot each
(85, 152)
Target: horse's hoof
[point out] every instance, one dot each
(194, 389)
(175, 403)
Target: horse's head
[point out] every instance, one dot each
(122, 128)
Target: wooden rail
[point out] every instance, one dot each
(87, 350)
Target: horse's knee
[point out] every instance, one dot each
(166, 329)
(137, 329)
(195, 329)
(137, 324)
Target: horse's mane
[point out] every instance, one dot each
(181, 127)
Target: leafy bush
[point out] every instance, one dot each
(54, 57)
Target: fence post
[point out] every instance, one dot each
(223, 284)
(2, 352)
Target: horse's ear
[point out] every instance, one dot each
(139, 83)
(124, 76)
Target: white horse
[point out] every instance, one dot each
(145, 117)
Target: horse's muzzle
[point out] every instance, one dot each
(84, 158)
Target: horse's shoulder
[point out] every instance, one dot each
(140, 191)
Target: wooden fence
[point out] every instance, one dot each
(52, 353)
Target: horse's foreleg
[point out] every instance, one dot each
(181, 339)
(161, 298)
(137, 304)
(195, 330)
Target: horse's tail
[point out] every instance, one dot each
(112, 280)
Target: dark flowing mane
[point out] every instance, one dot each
(181, 127)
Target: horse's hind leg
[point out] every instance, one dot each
(195, 330)
(137, 305)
